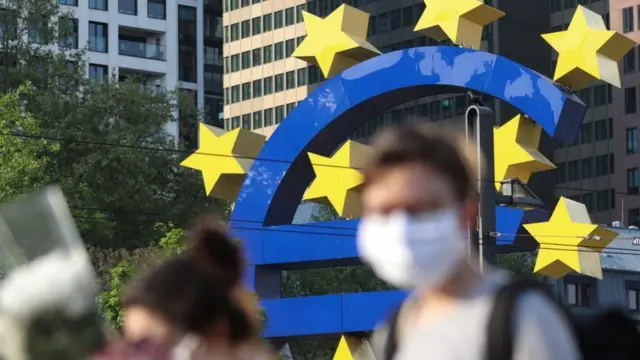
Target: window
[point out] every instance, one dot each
(630, 105)
(302, 77)
(383, 23)
(257, 88)
(37, 31)
(396, 19)
(267, 85)
(279, 82)
(599, 95)
(632, 140)
(277, 20)
(603, 165)
(267, 54)
(585, 95)
(212, 55)
(279, 110)
(632, 180)
(290, 79)
(268, 117)
(290, 107)
(278, 51)
(246, 91)
(290, 47)
(561, 173)
(627, 19)
(267, 22)
(574, 170)
(587, 168)
(235, 32)
(256, 55)
(633, 216)
(156, 9)
(235, 94)
(235, 122)
(68, 33)
(289, 16)
(212, 26)
(299, 16)
(603, 197)
(129, 7)
(68, 2)
(579, 294)
(629, 62)
(601, 131)
(633, 303)
(246, 60)
(257, 120)
(587, 200)
(256, 26)
(235, 63)
(246, 121)
(245, 29)
(98, 37)
(407, 17)
(586, 133)
(98, 71)
(99, 5)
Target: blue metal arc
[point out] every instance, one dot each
(274, 187)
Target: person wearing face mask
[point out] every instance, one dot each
(419, 199)
(196, 302)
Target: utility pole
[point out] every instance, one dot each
(479, 128)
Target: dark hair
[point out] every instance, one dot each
(434, 148)
(200, 288)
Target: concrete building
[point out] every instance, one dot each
(262, 84)
(620, 286)
(167, 43)
(625, 18)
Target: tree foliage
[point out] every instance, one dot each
(22, 158)
(115, 159)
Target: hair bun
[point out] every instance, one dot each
(213, 248)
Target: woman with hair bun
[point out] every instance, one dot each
(198, 297)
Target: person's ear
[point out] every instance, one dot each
(469, 214)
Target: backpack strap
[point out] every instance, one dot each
(391, 343)
(501, 332)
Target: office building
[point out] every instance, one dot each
(166, 43)
(625, 18)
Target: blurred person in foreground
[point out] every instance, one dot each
(196, 302)
(420, 196)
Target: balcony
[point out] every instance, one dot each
(141, 50)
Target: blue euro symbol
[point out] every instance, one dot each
(273, 189)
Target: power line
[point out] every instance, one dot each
(186, 152)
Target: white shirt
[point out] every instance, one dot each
(541, 330)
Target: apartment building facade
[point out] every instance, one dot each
(166, 43)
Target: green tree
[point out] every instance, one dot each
(22, 158)
(117, 193)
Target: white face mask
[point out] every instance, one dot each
(412, 251)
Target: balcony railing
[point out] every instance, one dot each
(156, 10)
(141, 50)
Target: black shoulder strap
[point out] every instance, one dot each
(391, 343)
(500, 329)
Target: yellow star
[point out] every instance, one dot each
(351, 348)
(337, 42)
(516, 150)
(588, 51)
(224, 159)
(569, 241)
(459, 20)
(338, 179)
